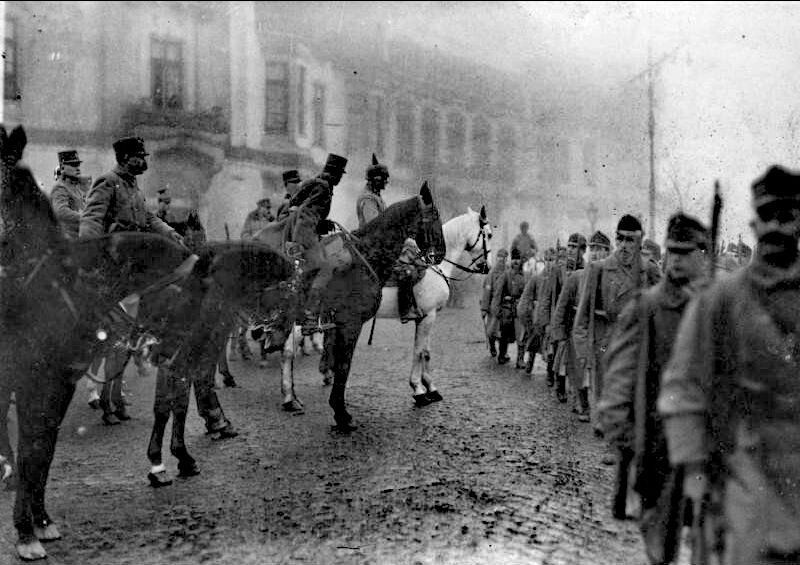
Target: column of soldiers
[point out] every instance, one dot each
(692, 382)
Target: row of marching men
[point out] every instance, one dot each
(689, 375)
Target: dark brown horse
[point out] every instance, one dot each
(354, 294)
(59, 310)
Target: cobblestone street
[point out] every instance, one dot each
(499, 472)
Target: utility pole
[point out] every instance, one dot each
(592, 213)
(651, 132)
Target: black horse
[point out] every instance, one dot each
(354, 293)
(59, 309)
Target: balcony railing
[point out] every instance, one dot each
(145, 114)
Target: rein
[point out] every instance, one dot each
(481, 237)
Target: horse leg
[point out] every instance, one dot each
(46, 396)
(291, 348)
(324, 361)
(417, 365)
(187, 466)
(208, 405)
(224, 368)
(340, 344)
(161, 411)
(6, 453)
(427, 378)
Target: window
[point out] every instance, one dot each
(481, 152)
(276, 119)
(319, 115)
(11, 85)
(166, 65)
(405, 134)
(430, 138)
(301, 100)
(456, 137)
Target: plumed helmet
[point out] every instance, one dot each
(377, 169)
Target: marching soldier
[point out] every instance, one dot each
(730, 395)
(504, 307)
(564, 319)
(607, 286)
(527, 309)
(636, 357)
(651, 251)
(370, 202)
(564, 315)
(490, 284)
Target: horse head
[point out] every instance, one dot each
(28, 226)
(481, 246)
(429, 235)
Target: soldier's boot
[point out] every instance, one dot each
(520, 358)
(529, 363)
(583, 400)
(561, 388)
(502, 353)
(492, 347)
(313, 313)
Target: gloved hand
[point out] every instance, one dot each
(325, 227)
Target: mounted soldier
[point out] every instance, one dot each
(370, 203)
(309, 209)
(258, 218)
(68, 195)
(291, 182)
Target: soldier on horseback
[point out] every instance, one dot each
(310, 207)
(370, 203)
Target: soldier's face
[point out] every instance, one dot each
(137, 164)
(683, 267)
(72, 171)
(626, 247)
(378, 183)
(597, 252)
(777, 228)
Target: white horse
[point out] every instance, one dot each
(468, 233)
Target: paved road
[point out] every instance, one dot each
(498, 472)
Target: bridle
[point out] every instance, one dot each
(481, 238)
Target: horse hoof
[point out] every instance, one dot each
(293, 406)
(422, 399)
(434, 396)
(159, 479)
(188, 470)
(29, 548)
(122, 415)
(229, 382)
(344, 427)
(47, 533)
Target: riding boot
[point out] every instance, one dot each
(583, 399)
(492, 347)
(551, 374)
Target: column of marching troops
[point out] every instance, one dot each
(687, 367)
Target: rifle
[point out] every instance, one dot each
(716, 210)
(227, 232)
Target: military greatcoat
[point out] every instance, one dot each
(69, 200)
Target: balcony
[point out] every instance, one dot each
(161, 123)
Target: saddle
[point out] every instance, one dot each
(281, 236)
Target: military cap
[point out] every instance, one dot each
(577, 239)
(515, 254)
(653, 248)
(266, 202)
(291, 176)
(335, 164)
(130, 146)
(600, 239)
(629, 224)
(377, 169)
(69, 157)
(502, 252)
(524, 225)
(162, 195)
(685, 233)
(777, 184)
